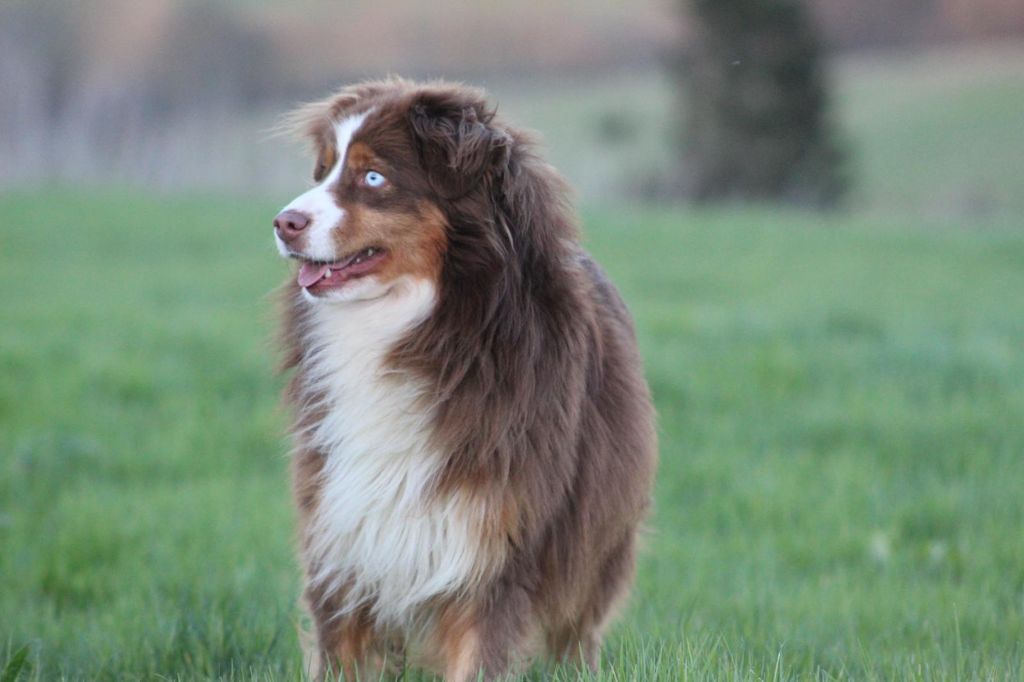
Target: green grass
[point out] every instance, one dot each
(841, 413)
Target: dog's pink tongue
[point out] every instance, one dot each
(311, 273)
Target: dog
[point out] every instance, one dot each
(473, 437)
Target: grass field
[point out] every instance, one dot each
(841, 407)
(841, 418)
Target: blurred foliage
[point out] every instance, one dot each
(79, 104)
(174, 94)
(756, 121)
(207, 58)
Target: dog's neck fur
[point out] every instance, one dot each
(380, 538)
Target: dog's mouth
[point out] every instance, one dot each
(320, 276)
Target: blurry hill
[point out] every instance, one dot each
(314, 42)
(172, 94)
(872, 23)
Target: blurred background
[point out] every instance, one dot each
(179, 95)
(815, 211)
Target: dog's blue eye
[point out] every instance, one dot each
(373, 179)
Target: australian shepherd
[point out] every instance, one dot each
(474, 441)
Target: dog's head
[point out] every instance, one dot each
(393, 159)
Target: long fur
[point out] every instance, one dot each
(474, 451)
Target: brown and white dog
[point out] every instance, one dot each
(474, 441)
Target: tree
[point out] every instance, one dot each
(755, 106)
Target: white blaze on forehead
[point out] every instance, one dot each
(320, 203)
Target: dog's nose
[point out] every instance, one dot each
(290, 224)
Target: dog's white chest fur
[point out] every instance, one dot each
(380, 535)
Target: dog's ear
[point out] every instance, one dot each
(458, 145)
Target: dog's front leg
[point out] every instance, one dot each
(344, 648)
(486, 641)
(458, 644)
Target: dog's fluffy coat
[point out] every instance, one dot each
(473, 437)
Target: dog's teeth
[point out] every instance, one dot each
(370, 252)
